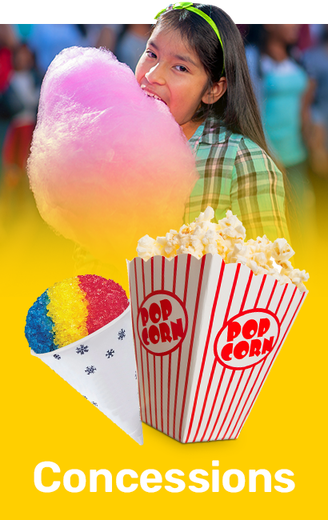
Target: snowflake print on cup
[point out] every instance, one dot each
(110, 353)
(90, 370)
(57, 356)
(121, 334)
(82, 349)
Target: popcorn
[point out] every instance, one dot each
(148, 247)
(227, 238)
(208, 329)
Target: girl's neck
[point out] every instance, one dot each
(190, 128)
(276, 49)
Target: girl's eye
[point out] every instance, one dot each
(181, 68)
(150, 54)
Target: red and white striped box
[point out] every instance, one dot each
(206, 335)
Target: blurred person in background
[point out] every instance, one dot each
(126, 41)
(47, 40)
(9, 104)
(283, 90)
(131, 43)
(316, 32)
(22, 31)
(103, 35)
(316, 64)
(25, 83)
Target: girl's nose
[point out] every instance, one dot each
(156, 75)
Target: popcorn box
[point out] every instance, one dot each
(206, 335)
(102, 368)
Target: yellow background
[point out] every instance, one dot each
(44, 419)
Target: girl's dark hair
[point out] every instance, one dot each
(237, 109)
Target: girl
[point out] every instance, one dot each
(195, 63)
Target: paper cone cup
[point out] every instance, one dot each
(102, 368)
(206, 336)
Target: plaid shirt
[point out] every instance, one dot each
(235, 173)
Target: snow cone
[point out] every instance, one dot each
(81, 328)
(210, 313)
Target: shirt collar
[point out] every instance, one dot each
(209, 132)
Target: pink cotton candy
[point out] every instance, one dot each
(108, 164)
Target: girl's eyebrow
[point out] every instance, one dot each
(185, 58)
(179, 57)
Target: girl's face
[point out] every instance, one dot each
(171, 71)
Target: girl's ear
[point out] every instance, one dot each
(215, 92)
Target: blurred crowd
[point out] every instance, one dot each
(289, 70)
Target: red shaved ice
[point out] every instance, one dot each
(106, 300)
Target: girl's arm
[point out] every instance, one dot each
(258, 194)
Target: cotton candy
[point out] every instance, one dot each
(107, 163)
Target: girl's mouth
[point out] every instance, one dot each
(152, 94)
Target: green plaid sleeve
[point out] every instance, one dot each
(235, 173)
(214, 163)
(257, 193)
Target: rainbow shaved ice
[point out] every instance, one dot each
(73, 309)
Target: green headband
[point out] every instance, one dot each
(189, 7)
